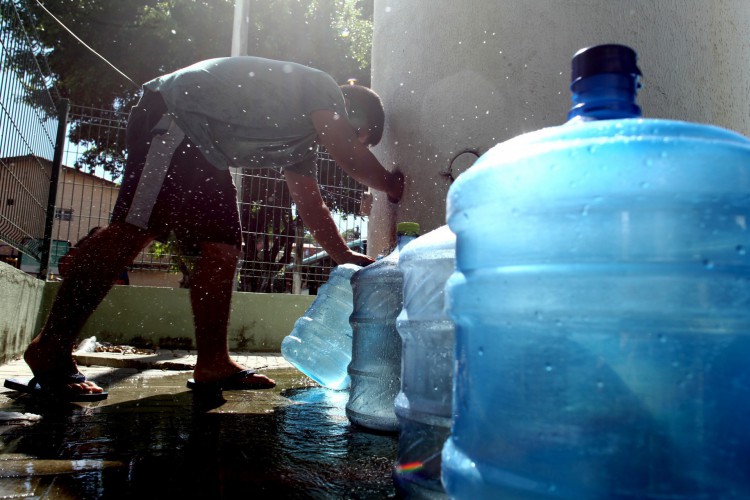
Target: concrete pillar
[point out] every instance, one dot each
(457, 77)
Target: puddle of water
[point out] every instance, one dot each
(153, 439)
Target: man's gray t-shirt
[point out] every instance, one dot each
(249, 111)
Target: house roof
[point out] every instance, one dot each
(48, 163)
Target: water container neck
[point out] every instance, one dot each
(605, 96)
(403, 239)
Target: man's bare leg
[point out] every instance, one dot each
(96, 265)
(211, 288)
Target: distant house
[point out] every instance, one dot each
(24, 186)
(84, 201)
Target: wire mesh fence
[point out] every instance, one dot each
(28, 125)
(279, 255)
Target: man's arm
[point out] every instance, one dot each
(339, 137)
(310, 205)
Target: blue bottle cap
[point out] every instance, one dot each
(609, 58)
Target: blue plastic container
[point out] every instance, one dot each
(375, 368)
(320, 344)
(423, 407)
(602, 309)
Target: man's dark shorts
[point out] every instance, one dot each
(168, 184)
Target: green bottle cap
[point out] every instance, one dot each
(408, 228)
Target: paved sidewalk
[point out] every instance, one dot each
(96, 364)
(155, 438)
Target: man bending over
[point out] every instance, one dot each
(189, 127)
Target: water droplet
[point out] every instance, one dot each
(548, 367)
(740, 250)
(708, 264)
(480, 351)
(599, 384)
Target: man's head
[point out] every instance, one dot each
(365, 111)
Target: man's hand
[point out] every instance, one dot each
(306, 195)
(355, 258)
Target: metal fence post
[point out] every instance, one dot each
(62, 124)
(299, 241)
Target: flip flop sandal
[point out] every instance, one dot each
(54, 386)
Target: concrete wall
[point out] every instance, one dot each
(147, 277)
(21, 296)
(463, 76)
(162, 316)
(144, 315)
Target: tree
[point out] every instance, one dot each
(148, 38)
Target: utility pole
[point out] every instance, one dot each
(240, 29)
(240, 33)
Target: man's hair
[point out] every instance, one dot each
(365, 111)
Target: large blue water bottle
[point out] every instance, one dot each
(602, 305)
(375, 369)
(423, 407)
(320, 344)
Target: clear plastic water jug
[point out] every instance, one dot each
(320, 344)
(602, 306)
(423, 407)
(375, 369)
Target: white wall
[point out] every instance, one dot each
(465, 75)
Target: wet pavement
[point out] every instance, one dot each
(153, 438)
